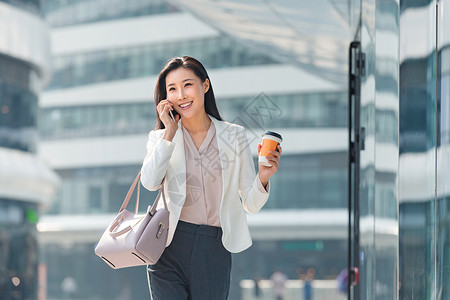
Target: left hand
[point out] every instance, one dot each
(266, 172)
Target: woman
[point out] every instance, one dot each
(207, 169)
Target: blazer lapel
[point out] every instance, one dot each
(226, 150)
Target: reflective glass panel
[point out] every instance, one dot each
(418, 144)
(442, 212)
(378, 256)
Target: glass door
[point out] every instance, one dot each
(356, 140)
(376, 126)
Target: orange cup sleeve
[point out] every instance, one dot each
(268, 145)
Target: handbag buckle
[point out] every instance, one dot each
(161, 228)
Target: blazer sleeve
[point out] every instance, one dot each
(156, 162)
(253, 196)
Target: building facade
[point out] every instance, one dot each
(26, 182)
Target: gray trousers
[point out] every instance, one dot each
(195, 266)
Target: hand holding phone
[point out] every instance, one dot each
(167, 117)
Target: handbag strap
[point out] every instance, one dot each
(116, 223)
(155, 204)
(131, 190)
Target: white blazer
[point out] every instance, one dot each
(239, 178)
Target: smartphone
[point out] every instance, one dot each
(173, 114)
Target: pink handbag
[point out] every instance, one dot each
(134, 239)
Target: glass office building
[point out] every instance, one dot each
(358, 89)
(26, 182)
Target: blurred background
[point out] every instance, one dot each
(76, 105)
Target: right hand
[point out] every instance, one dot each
(163, 112)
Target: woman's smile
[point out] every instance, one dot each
(185, 106)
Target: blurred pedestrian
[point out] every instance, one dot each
(279, 284)
(342, 281)
(69, 287)
(257, 288)
(307, 288)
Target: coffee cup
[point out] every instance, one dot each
(270, 141)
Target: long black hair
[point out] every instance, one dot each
(199, 70)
